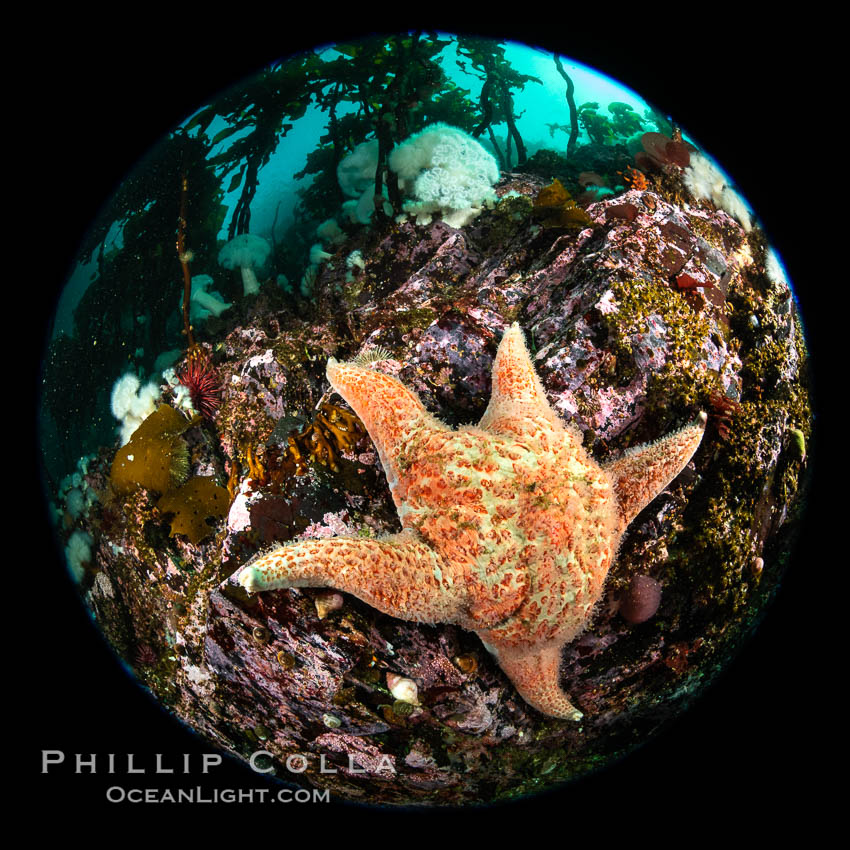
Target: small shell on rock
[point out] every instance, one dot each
(327, 602)
(403, 689)
(641, 600)
(466, 663)
(286, 660)
(261, 635)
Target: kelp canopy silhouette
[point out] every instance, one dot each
(389, 88)
(496, 103)
(385, 89)
(266, 105)
(130, 302)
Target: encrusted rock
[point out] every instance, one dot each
(634, 321)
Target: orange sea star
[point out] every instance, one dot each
(509, 527)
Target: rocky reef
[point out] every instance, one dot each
(642, 311)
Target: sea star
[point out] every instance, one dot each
(509, 527)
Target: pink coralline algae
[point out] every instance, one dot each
(471, 502)
(262, 375)
(635, 256)
(607, 303)
(331, 525)
(239, 517)
(624, 354)
(452, 354)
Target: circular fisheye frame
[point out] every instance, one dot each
(429, 413)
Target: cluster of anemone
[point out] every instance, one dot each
(246, 252)
(204, 301)
(705, 181)
(446, 172)
(442, 171)
(132, 403)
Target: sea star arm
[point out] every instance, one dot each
(535, 673)
(642, 473)
(398, 575)
(393, 415)
(518, 403)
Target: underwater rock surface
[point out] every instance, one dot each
(657, 309)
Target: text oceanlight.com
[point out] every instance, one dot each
(117, 794)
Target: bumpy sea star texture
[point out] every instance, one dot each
(624, 356)
(509, 527)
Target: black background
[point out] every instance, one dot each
(96, 96)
